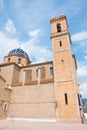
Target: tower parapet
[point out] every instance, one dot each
(59, 27)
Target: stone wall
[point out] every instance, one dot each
(34, 101)
(4, 99)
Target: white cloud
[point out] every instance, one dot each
(79, 36)
(34, 33)
(82, 70)
(83, 88)
(82, 75)
(6, 44)
(36, 52)
(86, 51)
(85, 57)
(10, 27)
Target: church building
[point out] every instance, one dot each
(47, 90)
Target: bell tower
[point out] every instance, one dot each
(65, 78)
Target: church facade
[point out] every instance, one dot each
(47, 90)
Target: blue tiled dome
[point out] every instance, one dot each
(18, 52)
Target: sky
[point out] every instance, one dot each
(26, 24)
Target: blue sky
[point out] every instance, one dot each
(27, 22)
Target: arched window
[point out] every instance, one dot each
(42, 74)
(9, 59)
(51, 71)
(60, 43)
(58, 27)
(19, 61)
(36, 72)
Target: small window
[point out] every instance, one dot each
(58, 27)
(79, 101)
(9, 59)
(60, 44)
(62, 64)
(62, 60)
(5, 107)
(19, 61)
(66, 99)
(51, 71)
(37, 73)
